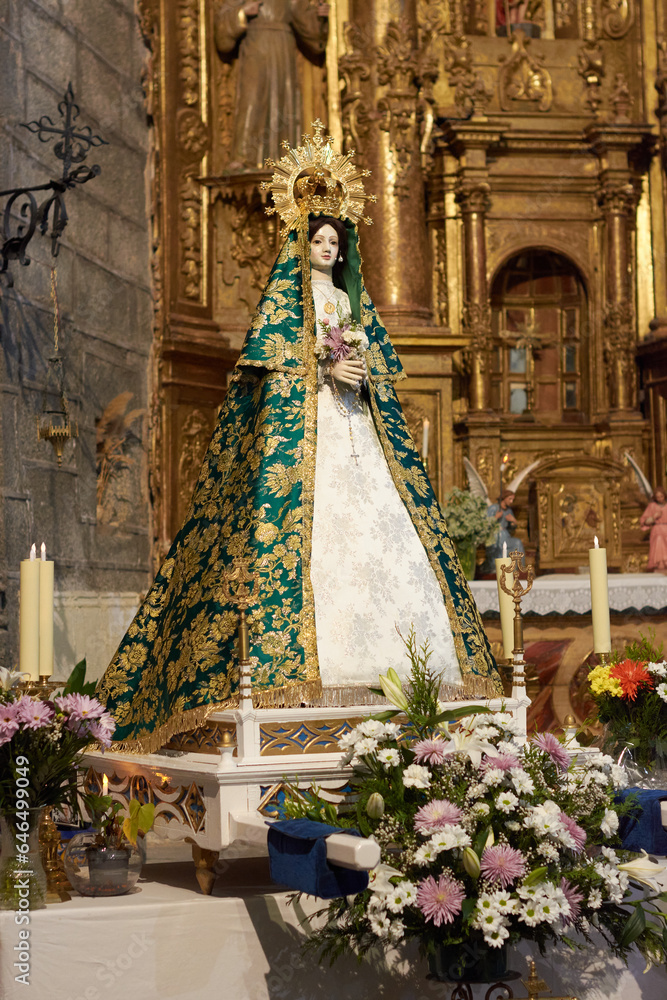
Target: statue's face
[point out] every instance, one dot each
(659, 495)
(324, 248)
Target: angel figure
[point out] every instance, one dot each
(501, 511)
(654, 519)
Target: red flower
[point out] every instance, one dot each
(632, 676)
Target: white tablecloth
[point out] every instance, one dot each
(168, 942)
(565, 592)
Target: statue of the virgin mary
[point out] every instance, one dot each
(312, 480)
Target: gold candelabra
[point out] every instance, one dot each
(42, 688)
(235, 586)
(535, 986)
(517, 592)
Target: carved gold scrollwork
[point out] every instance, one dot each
(524, 78)
(661, 88)
(473, 196)
(470, 95)
(354, 69)
(591, 68)
(195, 436)
(148, 13)
(398, 70)
(565, 11)
(476, 325)
(618, 199)
(188, 47)
(617, 17)
(192, 132)
(441, 287)
(253, 239)
(190, 234)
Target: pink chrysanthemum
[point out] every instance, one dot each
(436, 815)
(34, 714)
(432, 751)
(549, 744)
(81, 706)
(503, 864)
(440, 901)
(102, 729)
(574, 898)
(504, 762)
(8, 712)
(575, 831)
(334, 340)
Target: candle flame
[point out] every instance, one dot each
(33, 551)
(596, 542)
(43, 552)
(105, 785)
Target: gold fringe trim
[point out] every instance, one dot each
(289, 696)
(181, 722)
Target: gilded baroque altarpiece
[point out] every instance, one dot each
(517, 253)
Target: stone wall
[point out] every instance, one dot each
(93, 513)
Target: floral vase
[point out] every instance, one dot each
(101, 870)
(467, 553)
(22, 875)
(472, 962)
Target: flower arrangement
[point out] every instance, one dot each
(486, 838)
(111, 827)
(467, 519)
(345, 341)
(40, 740)
(631, 698)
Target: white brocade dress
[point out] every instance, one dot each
(369, 571)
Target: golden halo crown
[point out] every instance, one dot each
(315, 178)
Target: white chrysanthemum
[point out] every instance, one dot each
(475, 791)
(619, 776)
(658, 669)
(371, 727)
(512, 825)
(609, 824)
(365, 745)
(425, 854)
(531, 913)
(392, 730)
(448, 838)
(595, 899)
(389, 758)
(610, 854)
(402, 894)
(662, 691)
(481, 809)
(497, 937)
(416, 776)
(506, 801)
(493, 776)
(523, 783)
(380, 925)
(487, 732)
(347, 740)
(548, 851)
(396, 931)
(508, 746)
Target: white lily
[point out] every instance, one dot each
(463, 741)
(9, 678)
(643, 870)
(378, 878)
(393, 689)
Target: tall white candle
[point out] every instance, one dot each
(45, 615)
(425, 429)
(597, 558)
(506, 605)
(29, 616)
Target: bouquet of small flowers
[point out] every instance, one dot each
(631, 698)
(340, 340)
(39, 743)
(486, 838)
(467, 519)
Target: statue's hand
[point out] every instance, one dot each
(252, 9)
(349, 372)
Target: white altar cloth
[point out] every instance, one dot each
(168, 942)
(571, 592)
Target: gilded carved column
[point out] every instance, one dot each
(618, 204)
(382, 110)
(473, 197)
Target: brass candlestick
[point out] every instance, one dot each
(517, 593)
(536, 986)
(43, 688)
(236, 590)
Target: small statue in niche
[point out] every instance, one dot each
(268, 101)
(518, 12)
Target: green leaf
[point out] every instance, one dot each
(480, 843)
(636, 924)
(467, 908)
(385, 716)
(536, 875)
(76, 682)
(451, 715)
